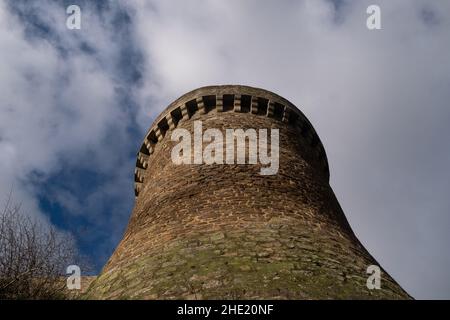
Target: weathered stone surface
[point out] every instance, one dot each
(225, 231)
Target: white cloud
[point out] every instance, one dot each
(58, 106)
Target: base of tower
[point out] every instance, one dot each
(270, 261)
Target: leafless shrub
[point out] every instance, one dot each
(33, 257)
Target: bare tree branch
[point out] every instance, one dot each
(33, 257)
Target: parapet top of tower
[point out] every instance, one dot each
(225, 98)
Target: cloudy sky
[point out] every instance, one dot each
(74, 106)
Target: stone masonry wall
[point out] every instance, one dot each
(227, 232)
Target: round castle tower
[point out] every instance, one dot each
(224, 231)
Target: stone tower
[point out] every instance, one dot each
(219, 231)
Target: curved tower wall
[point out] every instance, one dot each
(216, 231)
